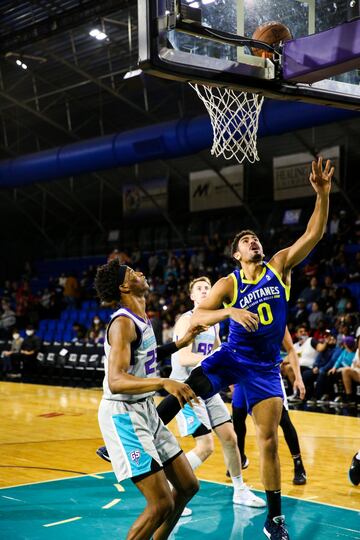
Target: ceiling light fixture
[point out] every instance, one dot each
(97, 34)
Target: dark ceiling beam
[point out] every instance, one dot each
(38, 114)
(86, 11)
(100, 84)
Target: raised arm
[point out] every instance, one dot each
(121, 334)
(320, 179)
(210, 311)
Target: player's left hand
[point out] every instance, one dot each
(299, 388)
(321, 178)
(190, 335)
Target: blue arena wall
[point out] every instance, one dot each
(161, 141)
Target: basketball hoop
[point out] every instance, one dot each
(234, 118)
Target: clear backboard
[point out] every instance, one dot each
(181, 40)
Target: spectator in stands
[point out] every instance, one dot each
(167, 333)
(323, 363)
(321, 331)
(307, 349)
(315, 316)
(120, 255)
(354, 269)
(23, 301)
(344, 360)
(96, 332)
(7, 319)
(343, 297)
(79, 332)
(334, 224)
(312, 292)
(71, 290)
(343, 330)
(29, 350)
(299, 314)
(7, 355)
(351, 374)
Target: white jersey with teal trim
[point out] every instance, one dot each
(143, 355)
(202, 344)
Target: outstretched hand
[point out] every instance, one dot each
(321, 178)
(190, 335)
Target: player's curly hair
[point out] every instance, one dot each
(107, 282)
(235, 242)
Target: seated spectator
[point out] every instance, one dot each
(96, 332)
(315, 316)
(315, 379)
(307, 349)
(167, 332)
(321, 331)
(312, 292)
(7, 356)
(347, 354)
(71, 290)
(28, 352)
(7, 319)
(351, 374)
(299, 314)
(79, 332)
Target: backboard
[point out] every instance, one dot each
(179, 40)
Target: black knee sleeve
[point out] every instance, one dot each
(239, 421)
(199, 383)
(290, 434)
(170, 406)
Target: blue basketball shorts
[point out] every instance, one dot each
(226, 367)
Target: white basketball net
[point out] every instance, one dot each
(234, 118)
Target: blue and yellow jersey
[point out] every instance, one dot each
(267, 297)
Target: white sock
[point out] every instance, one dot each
(193, 459)
(237, 481)
(358, 455)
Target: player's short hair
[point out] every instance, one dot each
(304, 325)
(196, 280)
(235, 242)
(107, 282)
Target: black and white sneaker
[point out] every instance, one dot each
(354, 471)
(299, 472)
(275, 528)
(103, 453)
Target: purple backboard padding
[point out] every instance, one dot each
(320, 56)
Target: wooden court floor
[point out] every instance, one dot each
(49, 432)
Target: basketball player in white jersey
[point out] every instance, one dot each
(209, 414)
(139, 445)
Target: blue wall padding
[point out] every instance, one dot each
(161, 141)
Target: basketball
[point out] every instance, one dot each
(272, 33)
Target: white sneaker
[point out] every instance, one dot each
(246, 497)
(186, 512)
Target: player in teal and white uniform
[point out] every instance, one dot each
(140, 447)
(209, 414)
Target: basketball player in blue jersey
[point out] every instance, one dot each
(255, 300)
(210, 414)
(239, 414)
(139, 445)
